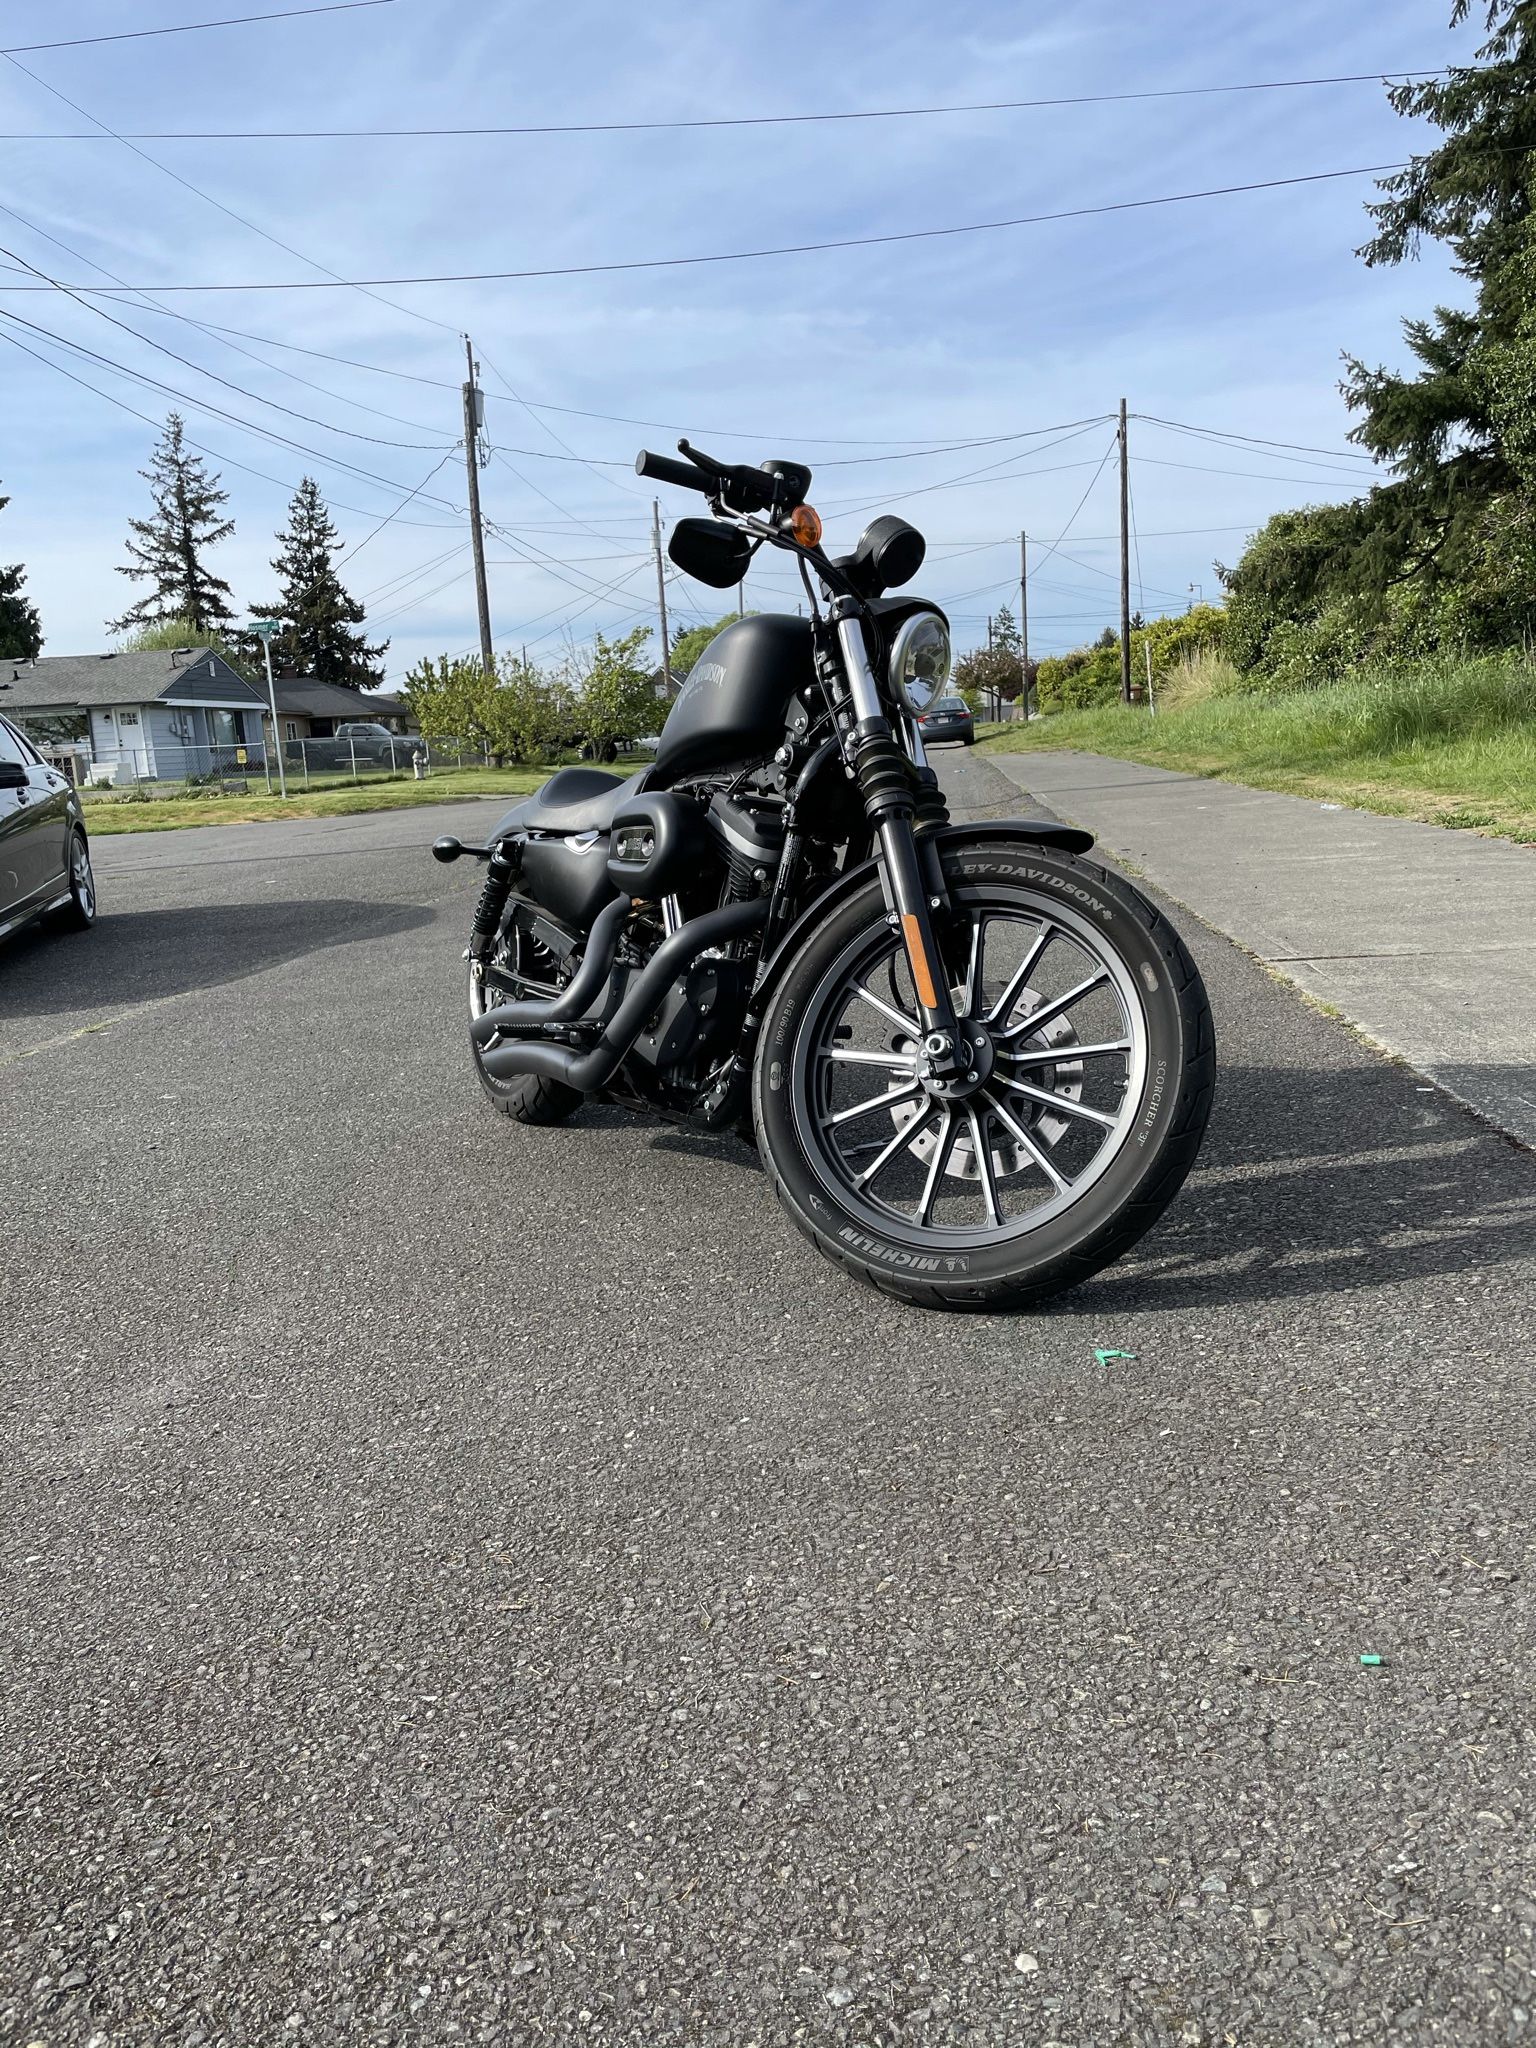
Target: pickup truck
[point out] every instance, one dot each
(371, 745)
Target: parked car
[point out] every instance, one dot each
(368, 743)
(45, 857)
(949, 718)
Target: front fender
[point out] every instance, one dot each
(1030, 831)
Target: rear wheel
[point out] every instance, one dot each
(1092, 1077)
(521, 968)
(79, 914)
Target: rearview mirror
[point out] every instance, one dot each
(714, 554)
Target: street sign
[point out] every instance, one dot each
(265, 629)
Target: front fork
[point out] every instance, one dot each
(914, 883)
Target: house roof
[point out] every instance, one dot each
(149, 676)
(307, 697)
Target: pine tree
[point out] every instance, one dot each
(167, 549)
(1459, 431)
(318, 616)
(21, 631)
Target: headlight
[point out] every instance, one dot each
(920, 660)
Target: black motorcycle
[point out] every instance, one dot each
(976, 1066)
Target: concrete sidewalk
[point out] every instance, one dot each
(1424, 938)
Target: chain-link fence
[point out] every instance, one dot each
(168, 768)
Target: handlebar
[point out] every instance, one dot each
(738, 486)
(666, 471)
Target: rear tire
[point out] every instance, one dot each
(1068, 1151)
(79, 914)
(525, 1098)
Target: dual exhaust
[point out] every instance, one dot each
(527, 1029)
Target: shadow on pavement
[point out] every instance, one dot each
(1316, 1182)
(135, 956)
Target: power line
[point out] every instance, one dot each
(101, 313)
(1092, 99)
(216, 334)
(229, 461)
(209, 200)
(1338, 482)
(1082, 501)
(982, 227)
(349, 555)
(1254, 440)
(187, 28)
(203, 405)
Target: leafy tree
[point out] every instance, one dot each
(318, 637)
(687, 647)
(617, 700)
(21, 630)
(452, 699)
(987, 672)
(167, 549)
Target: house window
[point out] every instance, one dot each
(225, 726)
(291, 728)
(127, 718)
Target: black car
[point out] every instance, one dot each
(949, 718)
(45, 857)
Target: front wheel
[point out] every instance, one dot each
(1093, 1078)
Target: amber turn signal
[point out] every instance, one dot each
(805, 525)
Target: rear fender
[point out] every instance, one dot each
(944, 839)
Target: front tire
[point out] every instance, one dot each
(1090, 1097)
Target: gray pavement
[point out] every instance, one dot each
(471, 1584)
(1424, 938)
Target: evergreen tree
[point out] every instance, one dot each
(1460, 432)
(21, 631)
(318, 637)
(167, 549)
(1005, 633)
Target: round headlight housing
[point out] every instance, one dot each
(921, 660)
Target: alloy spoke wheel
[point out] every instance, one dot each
(1057, 1104)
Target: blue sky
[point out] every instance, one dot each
(1227, 313)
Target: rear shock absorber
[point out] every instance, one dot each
(500, 873)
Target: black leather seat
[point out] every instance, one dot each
(573, 800)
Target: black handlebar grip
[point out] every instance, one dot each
(666, 471)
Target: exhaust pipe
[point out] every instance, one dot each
(576, 998)
(588, 1071)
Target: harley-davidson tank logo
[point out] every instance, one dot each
(706, 675)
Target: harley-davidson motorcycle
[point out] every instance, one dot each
(976, 1066)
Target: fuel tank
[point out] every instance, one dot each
(735, 704)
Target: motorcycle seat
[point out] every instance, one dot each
(573, 800)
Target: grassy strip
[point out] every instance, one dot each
(111, 814)
(1450, 743)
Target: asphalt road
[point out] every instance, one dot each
(466, 1583)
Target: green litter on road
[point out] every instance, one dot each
(1104, 1357)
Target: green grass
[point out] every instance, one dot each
(1453, 743)
(119, 813)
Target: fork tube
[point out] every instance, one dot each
(886, 786)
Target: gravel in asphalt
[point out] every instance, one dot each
(467, 1583)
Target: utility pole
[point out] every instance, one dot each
(1125, 561)
(1024, 621)
(474, 419)
(661, 596)
(265, 629)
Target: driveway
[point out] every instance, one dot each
(465, 1583)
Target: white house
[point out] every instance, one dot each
(154, 715)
